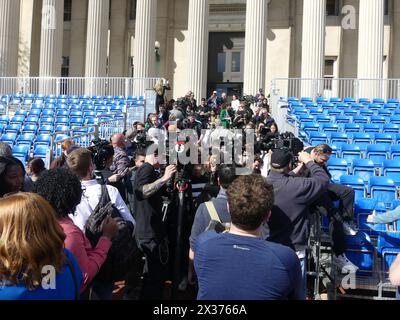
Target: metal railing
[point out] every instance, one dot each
(76, 86)
(336, 87)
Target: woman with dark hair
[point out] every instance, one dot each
(62, 189)
(35, 168)
(12, 174)
(33, 262)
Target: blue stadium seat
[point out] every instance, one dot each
(321, 100)
(352, 151)
(46, 129)
(40, 151)
(329, 127)
(22, 113)
(362, 137)
(75, 107)
(342, 119)
(360, 119)
(48, 113)
(361, 251)
(372, 127)
(310, 105)
(328, 106)
(383, 189)
(364, 207)
(338, 137)
(305, 118)
(349, 100)
(30, 128)
(64, 121)
(384, 112)
(337, 167)
(388, 248)
(350, 112)
(32, 120)
(62, 113)
(384, 138)
(4, 119)
(377, 153)
(76, 114)
(17, 120)
(13, 128)
(21, 151)
(335, 100)
(77, 121)
(391, 127)
(309, 126)
(395, 119)
(364, 100)
(356, 183)
(9, 138)
(390, 106)
(394, 152)
(26, 139)
(43, 139)
(396, 101)
(364, 168)
(334, 112)
(391, 168)
(90, 120)
(378, 119)
(316, 137)
(342, 106)
(366, 112)
(62, 107)
(62, 128)
(357, 106)
(306, 99)
(35, 112)
(378, 100)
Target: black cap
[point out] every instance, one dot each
(280, 158)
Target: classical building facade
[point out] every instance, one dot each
(233, 45)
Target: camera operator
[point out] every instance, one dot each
(150, 228)
(340, 219)
(289, 224)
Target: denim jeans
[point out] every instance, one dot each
(303, 264)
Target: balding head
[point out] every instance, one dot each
(118, 140)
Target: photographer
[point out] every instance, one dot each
(289, 224)
(160, 87)
(340, 219)
(150, 230)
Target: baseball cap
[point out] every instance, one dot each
(280, 158)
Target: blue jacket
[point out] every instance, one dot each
(64, 286)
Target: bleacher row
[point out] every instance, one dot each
(28, 131)
(365, 138)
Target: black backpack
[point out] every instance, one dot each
(123, 251)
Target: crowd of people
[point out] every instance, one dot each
(241, 236)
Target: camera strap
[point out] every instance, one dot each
(164, 209)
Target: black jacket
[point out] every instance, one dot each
(289, 223)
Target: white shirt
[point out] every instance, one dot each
(90, 199)
(235, 105)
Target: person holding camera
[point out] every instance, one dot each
(151, 233)
(289, 222)
(160, 87)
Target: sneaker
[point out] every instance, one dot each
(344, 264)
(348, 229)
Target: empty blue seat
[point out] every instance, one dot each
(372, 127)
(364, 207)
(306, 99)
(342, 106)
(334, 112)
(77, 121)
(21, 151)
(349, 100)
(360, 119)
(356, 183)
(377, 153)
(388, 247)
(305, 118)
(47, 120)
(62, 113)
(321, 100)
(391, 127)
(328, 106)
(384, 112)
(350, 112)
(394, 152)
(30, 128)
(341, 119)
(383, 189)
(21, 113)
(364, 100)
(364, 168)
(26, 138)
(76, 114)
(391, 100)
(360, 251)
(321, 118)
(378, 100)
(310, 104)
(366, 112)
(395, 119)
(329, 127)
(17, 120)
(32, 120)
(338, 137)
(62, 128)
(335, 100)
(378, 119)
(337, 167)
(390, 106)
(46, 129)
(352, 127)
(64, 121)
(9, 138)
(384, 138)
(13, 128)
(308, 126)
(352, 151)
(316, 137)
(43, 139)
(40, 151)
(4, 119)
(295, 111)
(362, 137)
(35, 112)
(48, 113)
(391, 168)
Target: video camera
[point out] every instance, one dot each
(285, 140)
(101, 151)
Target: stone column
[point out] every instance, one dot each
(78, 38)
(313, 47)
(255, 46)
(145, 37)
(51, 42)
(118, 59)
(96, 46)
(9, 37)
(198, 48)
(370, 48)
